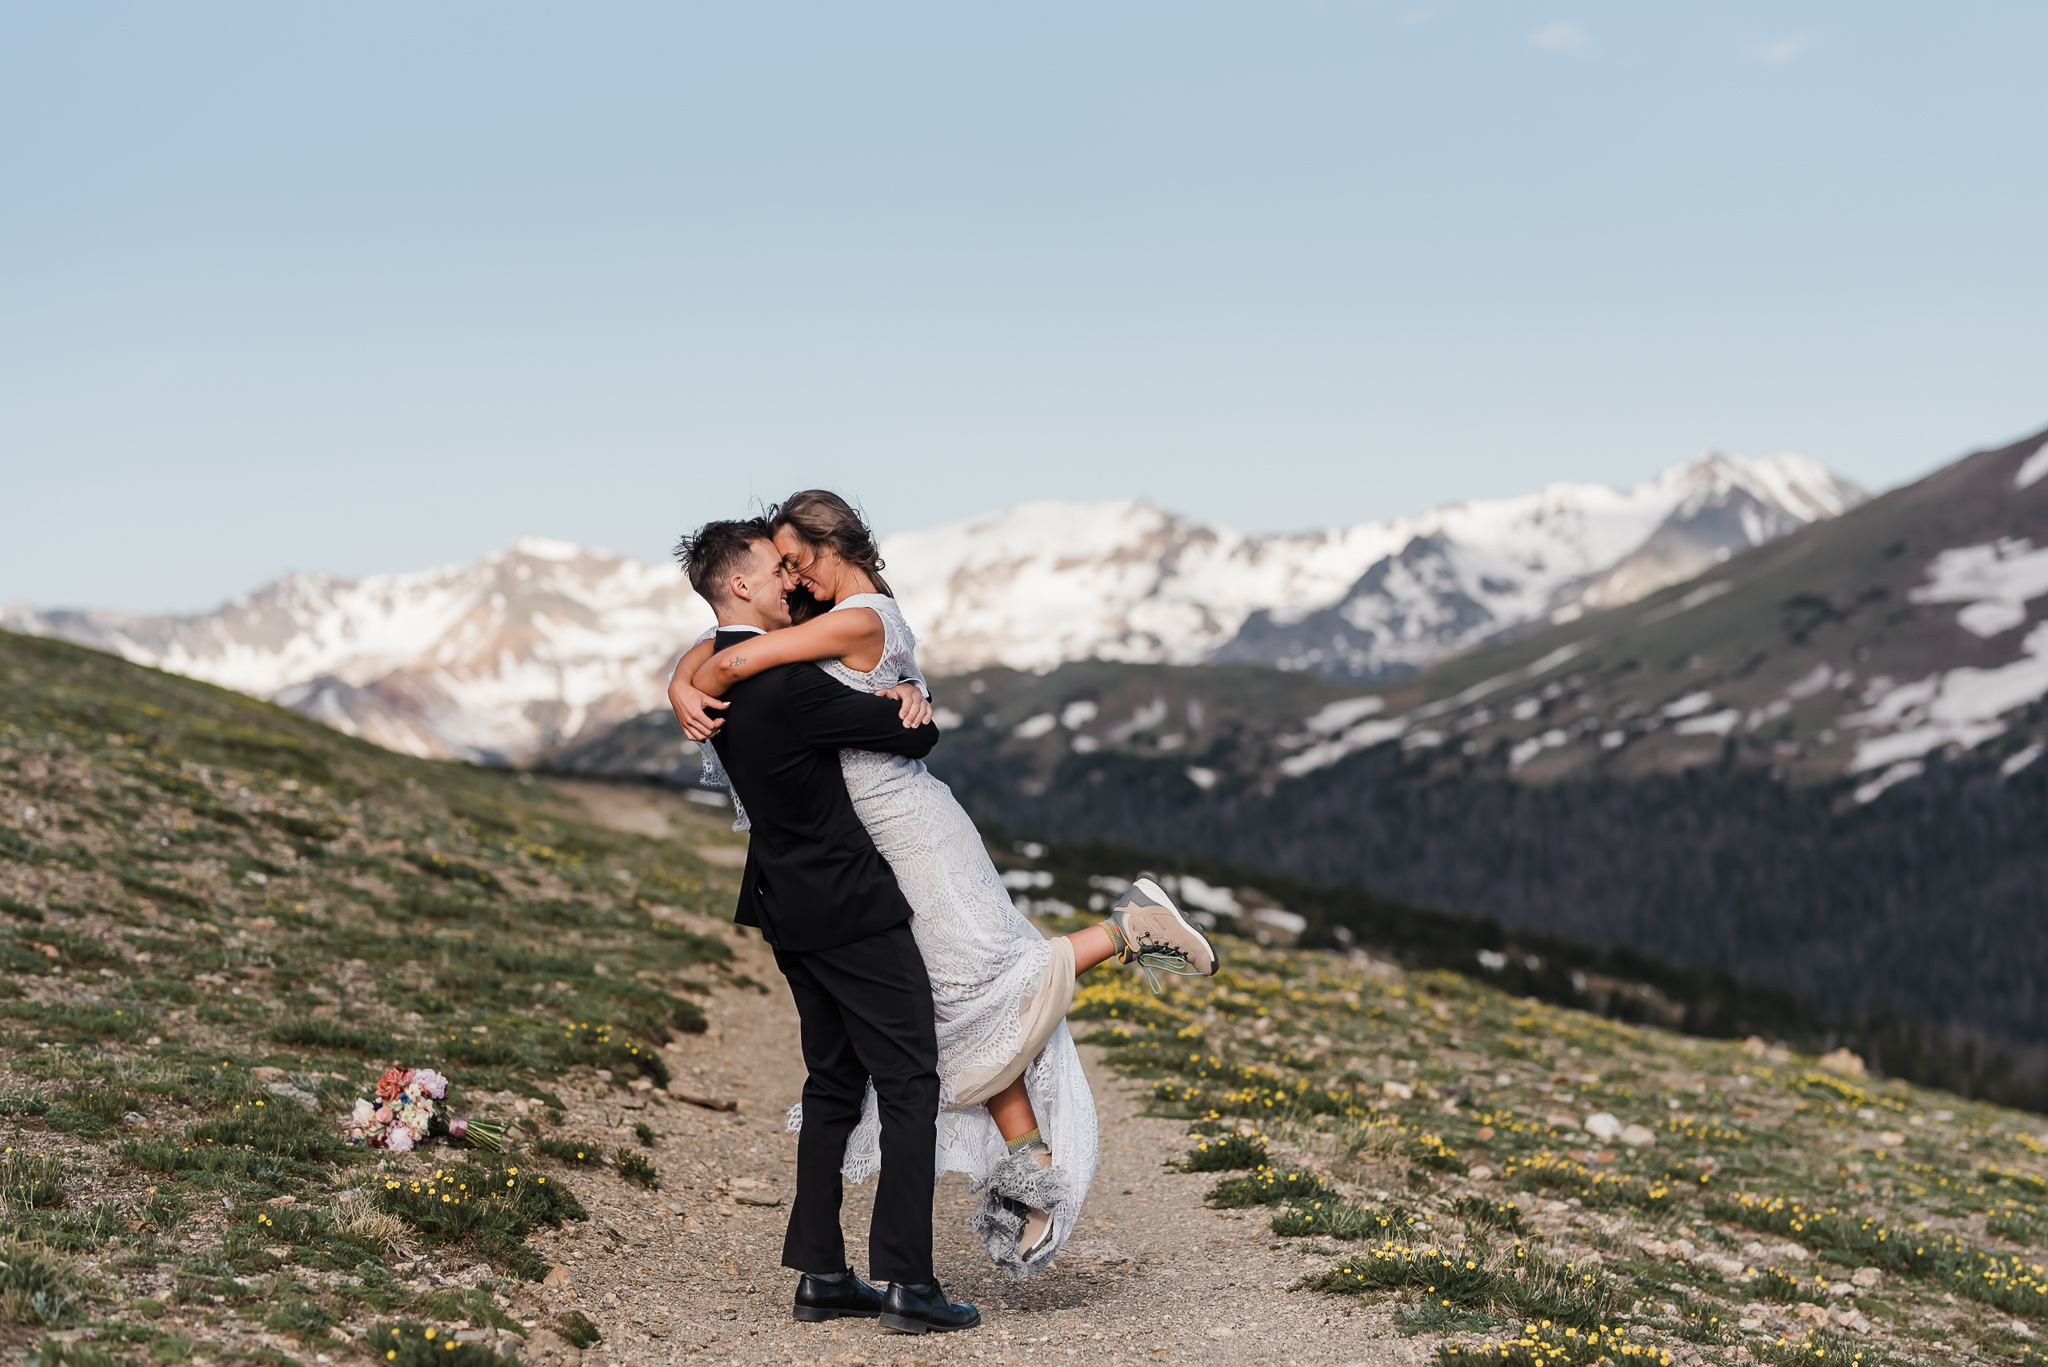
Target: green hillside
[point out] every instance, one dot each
(1531, 1185)
(220, 921)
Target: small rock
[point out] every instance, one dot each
(1852, 1320)
(1558, 1120)
(291, 1093)
(1481, 1173)
(1816, 1313)
(641, 1084)
(1843, 1062)
(558, 1275)
(1635, 1136)
(267, 1074)
(1603, 1125)
(1891, 1139)
(1866, 1277)
(1400, 1091)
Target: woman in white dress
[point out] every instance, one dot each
(1016, 1115)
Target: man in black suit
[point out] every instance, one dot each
(824, 899)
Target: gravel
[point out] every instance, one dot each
(691, 1273)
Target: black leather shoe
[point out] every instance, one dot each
(835, 1295)
(925, 1309)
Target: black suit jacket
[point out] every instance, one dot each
(814, 880)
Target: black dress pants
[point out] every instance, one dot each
(866, 1012)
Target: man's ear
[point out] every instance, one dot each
(736, 588)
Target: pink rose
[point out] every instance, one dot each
(382, 1115)
(399, 1140)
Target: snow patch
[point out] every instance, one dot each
(1688, 705)
(1897, 774)
(1338, 715)
(1705, 593)
(1995, 581)
(1713, 724)
(1363, 736)
(1959, 707)
(2033, 469)
(1527, 750)
(2016, 762)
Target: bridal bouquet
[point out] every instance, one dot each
(408, 1113)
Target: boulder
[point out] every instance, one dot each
(1604, 1125)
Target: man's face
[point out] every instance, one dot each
(767, 586)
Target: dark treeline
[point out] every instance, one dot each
(1911, 926)
(1619, 983)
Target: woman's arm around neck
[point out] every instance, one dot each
(854, 637)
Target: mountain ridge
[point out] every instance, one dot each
(546, 643)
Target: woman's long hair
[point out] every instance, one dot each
(823, 519)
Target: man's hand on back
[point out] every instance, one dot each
(689, 706)
(916, 709)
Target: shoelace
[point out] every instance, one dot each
(1151, 955)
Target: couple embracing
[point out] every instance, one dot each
(932, 1012)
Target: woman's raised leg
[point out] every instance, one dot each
(1147, 929)
(1092, 946)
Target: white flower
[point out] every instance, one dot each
(366, 1113)
(398, 1139)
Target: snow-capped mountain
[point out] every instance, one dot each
(1044, 583)
(546, 642)
(494, 660)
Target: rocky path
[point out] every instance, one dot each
(691, 1273)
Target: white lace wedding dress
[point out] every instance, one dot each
(1000, 988)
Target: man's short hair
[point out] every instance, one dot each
(716, 551)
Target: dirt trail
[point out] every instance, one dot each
(691, 1273)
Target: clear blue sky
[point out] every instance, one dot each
(360, 288)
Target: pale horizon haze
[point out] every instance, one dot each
(380, 288)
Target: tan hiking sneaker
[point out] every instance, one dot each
(1157, 937)
(1036, 1237)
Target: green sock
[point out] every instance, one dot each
(1024, 1140)
(1121, 941)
